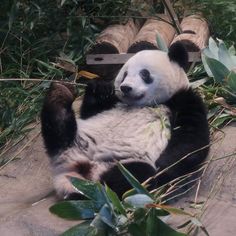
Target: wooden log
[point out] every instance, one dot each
(114, 39)
(195, 33)
(146, 38)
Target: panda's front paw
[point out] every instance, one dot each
(100, 89)
(60, 94)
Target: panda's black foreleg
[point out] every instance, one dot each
(189, 139)
(99, 96)
(58, 122)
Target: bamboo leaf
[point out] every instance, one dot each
(62, 2)
(169, 209)
(224, 56)
(138, 200)
(234, 59)
(115, 201)
(164, 229)
(90, 189)
(74, 210)
(151, 224)
(107, 216)
(161, 43)
(129, 193)
(219, 71)
(137, 229)
(100, 227)
(206, 67)
(213, 48)
(133, 181)
(79, 230)
(12, 14)
(231, 80)
(232, 50)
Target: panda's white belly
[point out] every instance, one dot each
(124, 133)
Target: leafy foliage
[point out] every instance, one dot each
(219, 13)
(18, 108)
(220, 63)
(34, 34)
(137, 214)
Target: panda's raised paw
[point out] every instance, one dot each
(100, 89)
(61, 94)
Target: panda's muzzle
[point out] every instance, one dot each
(125, 89)
(128, 93)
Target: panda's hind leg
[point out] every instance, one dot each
(58, 119)
(64, 188)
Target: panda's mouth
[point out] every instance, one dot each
(133, 97)
(129, 98)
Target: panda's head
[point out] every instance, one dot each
(152, 77)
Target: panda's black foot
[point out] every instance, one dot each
(58, 119)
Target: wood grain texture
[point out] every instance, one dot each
(114, 39)
(146, 37)
(195, 33)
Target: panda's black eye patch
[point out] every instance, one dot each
(124, 75)
(145, 75)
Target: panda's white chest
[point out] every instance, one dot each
(124, 133)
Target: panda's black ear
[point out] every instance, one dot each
(178, 53)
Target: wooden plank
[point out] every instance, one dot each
(109, 59)
(104, 59)
(194, 56)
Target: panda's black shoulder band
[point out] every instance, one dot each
(189, 136)
(178, 53)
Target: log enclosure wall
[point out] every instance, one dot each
(132, 38)
(115, 39)
(195, 33)
(146, 37)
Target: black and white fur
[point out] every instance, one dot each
(148, 119)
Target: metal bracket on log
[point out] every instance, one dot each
(108, 59)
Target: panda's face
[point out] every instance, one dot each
(149, 78)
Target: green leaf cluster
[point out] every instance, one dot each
(219, 13)
(104, 213)
(220, 63)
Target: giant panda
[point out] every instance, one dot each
(148, 118)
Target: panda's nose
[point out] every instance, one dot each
(125, 89)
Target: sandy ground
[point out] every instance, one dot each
(26, 191)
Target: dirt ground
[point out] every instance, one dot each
(26, 191)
